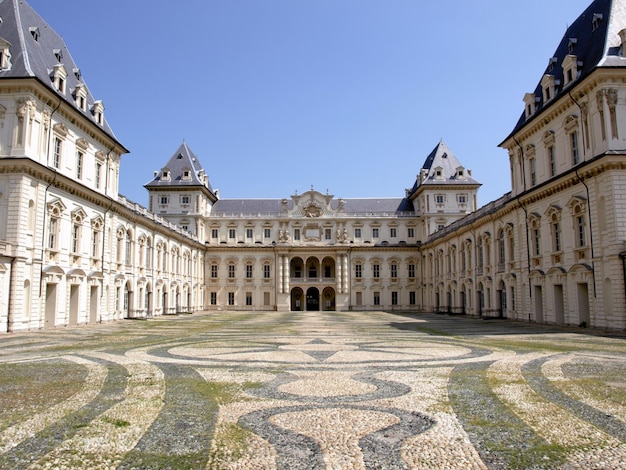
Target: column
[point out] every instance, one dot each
(346, 272)
(339, 273)
(286, 273)
(280, 274)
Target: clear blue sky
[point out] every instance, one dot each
(274, 96)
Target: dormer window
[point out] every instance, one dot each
(5, 55)
(596, 20)
(76, 72)
(34, 31)
(551, 62)
(81, 96)
(98, 112)
(439, 173)
(571, 45)
(529, 101)
(165, 175)
(570, 68)
(547, 84)
(460, 173)
(58, 53)
(186, 174)
(59, 76)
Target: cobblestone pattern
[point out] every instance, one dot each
(314, 390)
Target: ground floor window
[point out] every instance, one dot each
(266, 298)
(412, 297)
(359, 298)
(394, 298)
(213, 298)
(248, 298)
(376, 298)
(231, 298)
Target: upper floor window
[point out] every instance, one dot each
(533, 171)
(358, 271)
(58, 150)
(440, 199)
(184, 200)
(267, 233)
(249, 233)
(79, 164)
(394, 270)
(357, 233)
(411, 270)
(267, 271)
(374, 233)
(214, 233)
(164, 200)
(573, 137)
(296, 234)
(376, 271)
(462, 199)
(231, 233)
(59, 77)
(411, 232)
(98, 175)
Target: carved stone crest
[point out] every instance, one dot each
(312, 211)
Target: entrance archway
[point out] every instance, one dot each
(297, 299)
(312, 299)
(328, 299)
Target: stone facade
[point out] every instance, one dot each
(73, 251)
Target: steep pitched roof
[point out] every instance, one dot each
(441, 159)
(352, 206)
(594, 39)
(36, 49)
(182, 160)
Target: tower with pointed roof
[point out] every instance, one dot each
(444, 190)
(181, 192)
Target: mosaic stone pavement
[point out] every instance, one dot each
(313, 390)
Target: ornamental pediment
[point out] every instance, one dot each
(313, 204)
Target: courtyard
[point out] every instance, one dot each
(311, 390)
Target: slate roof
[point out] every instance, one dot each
(33, 44)
(352, 207)
(182, 159)
(441, 157)
(593, 38)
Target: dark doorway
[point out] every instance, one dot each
(312, 299)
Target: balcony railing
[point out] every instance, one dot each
(312, 280)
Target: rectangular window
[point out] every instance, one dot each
(95, 242)
(394, 298)
(327, 234)
(573, 138)
(462, 199)
(213, 298)
(214, 271)
(393, 232)
(357, 233)
(248, 271)
(556, 234)
(231, 233)
(580, 226)
(163, 200)
(231, 271)
(376, 298)
(58, 147)
(551, 160)
(231, 298)
(266, 271)
(411, 270)
(439, 199)
(394, 270)
(533, 172)
(412, 298)
(411, 232)
(536, 242)
(249, 233)
(79, 164)
(358, 271)
(376, 270)
(52, 233)
(359, 298)
(296, 234)
(214, 233)
(184, 200)
(374, 233)
(75, 238)
(267, 233)
(248, 299)
(98, 175)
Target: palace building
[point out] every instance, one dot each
(74, 251)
